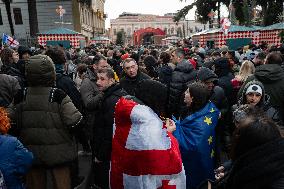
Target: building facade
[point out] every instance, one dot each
(132, 22)
(30, 17)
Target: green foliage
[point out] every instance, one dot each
(183, 12)
(120, 38)
(203, 8)
(270, 10)
(273, 10)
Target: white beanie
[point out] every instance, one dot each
(254, 88)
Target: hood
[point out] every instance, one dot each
(166, 70)
(184, 66)
(40, 71)
(91, 75)
(269, 73)
(205, 74)
(222, 67)
(263, 99)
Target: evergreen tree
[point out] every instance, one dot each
(203, 8)
(120, 38)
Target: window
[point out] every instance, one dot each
(114, 31)
(17, 16)
(1, 21)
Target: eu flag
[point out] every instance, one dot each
(196, 137)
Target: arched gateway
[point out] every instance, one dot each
(148, 36)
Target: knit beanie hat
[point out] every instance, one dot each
(254, 89)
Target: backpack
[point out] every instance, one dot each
(2, 181)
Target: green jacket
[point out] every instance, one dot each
(44, 119)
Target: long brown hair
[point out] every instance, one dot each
(7, 56)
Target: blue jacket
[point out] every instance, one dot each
(196, 137)
(15, 160)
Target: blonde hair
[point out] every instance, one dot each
(4, 121)
(247, 69)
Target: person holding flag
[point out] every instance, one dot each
(196, 135)
(144, 154)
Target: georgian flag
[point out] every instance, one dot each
(10, 41)
(144, 154)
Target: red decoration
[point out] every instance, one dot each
(138, 35)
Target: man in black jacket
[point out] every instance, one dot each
(223, 71)
(133, 77)
(182, 75)
(223, 129)
(104, 129)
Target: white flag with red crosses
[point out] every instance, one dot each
(144, 154)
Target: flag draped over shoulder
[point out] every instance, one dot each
(144, 154)
(196, 137)
(10, 41)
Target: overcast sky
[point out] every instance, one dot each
(159, 7)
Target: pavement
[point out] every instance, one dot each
(84, 167)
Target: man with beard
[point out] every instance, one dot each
(104, 129)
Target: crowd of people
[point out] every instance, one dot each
(223, 108)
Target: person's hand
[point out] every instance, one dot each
(219, 172)
(170, 124)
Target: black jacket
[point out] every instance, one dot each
(183, 74)
(65, 83)
(165, 74)
(260, 168)
(14, 71)
(103, 130)
(225, 76)
(130, 84)
(223, 129)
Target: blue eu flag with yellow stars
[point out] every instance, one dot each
(196, 137)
